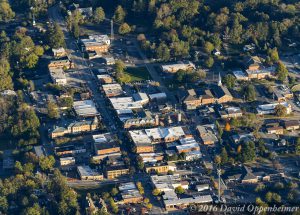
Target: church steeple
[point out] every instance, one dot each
(220, 80)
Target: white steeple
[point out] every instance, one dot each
(220, 80)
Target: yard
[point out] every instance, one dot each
(138, 73)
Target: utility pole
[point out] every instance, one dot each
(219, 185)
(111, 29)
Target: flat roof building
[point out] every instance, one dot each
(58, 76)
(86, 173)
(112, 90)
(85, 108)
(173, 68)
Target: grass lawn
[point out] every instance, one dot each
(138, 73)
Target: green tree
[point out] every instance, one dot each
(269, 197)
(282, 72)
(208, 47)
(209, 62)
(260, 187)
(6, 13)
(163, 52)
(3, 204)
(34, 210)
(52, 110)
(156, 192)
(119, 14)
(224, 156)
(56, 37)
(99, 15)
(229, 81)
(249, 92)
(5, 80)
(273, 54)
(248, 152)
(114, 191)
(46, 163)
(76, 30)
(280, 110)
(124, 29)
(179, 190)
(181, 76)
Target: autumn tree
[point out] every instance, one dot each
(99, 15)
(119, 14)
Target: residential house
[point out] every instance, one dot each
(60, 52)
(291, 125)
(275, 130)
(230, 112)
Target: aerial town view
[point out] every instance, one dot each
(128, 107)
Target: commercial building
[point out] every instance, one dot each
(75, 128)
(58, 76)
(112, 90)
(69, 150)
(160, 167)
(173, 68)
(240, 75)
(175, 204)
(88, 174)
(202, 187)
(67, 161)
(139, 122)
(116, 171)
(85, 108)
(207, 134)
(105, 144)
(270, 108)
(130, 193)
(105, 79)
(141, 97)
(123, 103)
(230, 112)
(141, 141)
(98, 43)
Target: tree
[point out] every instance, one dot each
(3, 204)
(5, 80)
(76, 30)
(146, 200)
(209, 62)
(281, 72)
(229, 81)
(114, 191)
(269, 196)
(56, 37)
(196, 76)
(179, 190)
(6, 13)
(124, 29)
(140, 188)
(99, 15)
(180, 76)
(276, 197)
(52, 110)
(260, 187)
(163, 52)
(224, 156)
(149, 206)
(119, 14)
(208, 47)
(248, 152)
(249, 92)
(279, 185)
(280, 110)
(35, 210)
(273, 54)
(156, 192)
(218, 159)
(46, 163)
(297, 146)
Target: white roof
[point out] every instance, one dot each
(57, 74)
(87, 171)
(101, 138)
(177, 66)
(125, 103)
(158, 133)
(191, 200)
(85, 108)
(127, 186)
(139, 137)
(158, 96)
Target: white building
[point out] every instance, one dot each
(86, 108)
(270, 108)
(173, 68)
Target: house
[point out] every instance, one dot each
(240, 75)
(252, 63)
(109, 60)
(58, 76)
(202, 187)
(291, 125)
(207, 135)
(60, 52)
(275, 130)
(230, 112)
(259, 73)
(195, 99)
(173, 68)
(282, 93)
(64, 63)
(249, 47)
(88, 174)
